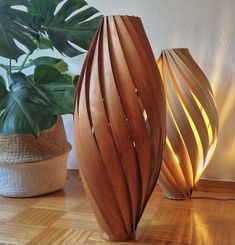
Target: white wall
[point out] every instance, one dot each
(207, 28)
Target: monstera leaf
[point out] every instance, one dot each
(25, 109)
(68, 27)
(15, 25)
(3, 93)
(59, 64)
(59, 88)
(42, 26)
(31, 106)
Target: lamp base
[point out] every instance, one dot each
(118, 238)
(176, 198)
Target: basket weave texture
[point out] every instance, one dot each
(16, 149)
(33, 179)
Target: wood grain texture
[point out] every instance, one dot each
(164, 222)
(119, 123)
(192, 123)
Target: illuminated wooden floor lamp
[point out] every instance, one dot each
(119, 123)
(192, 123)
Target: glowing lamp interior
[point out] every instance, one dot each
(192, 123)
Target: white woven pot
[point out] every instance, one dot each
(33, 179)
(31, 167)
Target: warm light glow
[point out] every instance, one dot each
(210, 153)
(227, 104)
(199, 171)
(196, 134)
(172, 151)
(206, 119)
(185, 160)
(212, 140)
(175, 123)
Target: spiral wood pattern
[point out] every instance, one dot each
(119, 125)
(192, 123)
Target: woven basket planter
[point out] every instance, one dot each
(31, 167)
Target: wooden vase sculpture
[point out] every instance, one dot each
(119, 123)
(192, 123)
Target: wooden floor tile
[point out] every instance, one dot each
(58, 236)
(37, 216)
(77, 220)
(18, 234)
(7, 212)
(66, 218)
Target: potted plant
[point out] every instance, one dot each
(36, 89)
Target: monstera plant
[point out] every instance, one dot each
(31, 101)
(36, 89)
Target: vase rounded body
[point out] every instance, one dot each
(192, 123)
(119, 123)
(32, 166)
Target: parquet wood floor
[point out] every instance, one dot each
(65, 218)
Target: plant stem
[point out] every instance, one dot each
(24, 61)
(10, 66)
(8, 75)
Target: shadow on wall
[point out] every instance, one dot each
(223, 83)
(213, 47)
(207, 28)
(223, 162)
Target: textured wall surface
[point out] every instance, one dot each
(207, 28)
